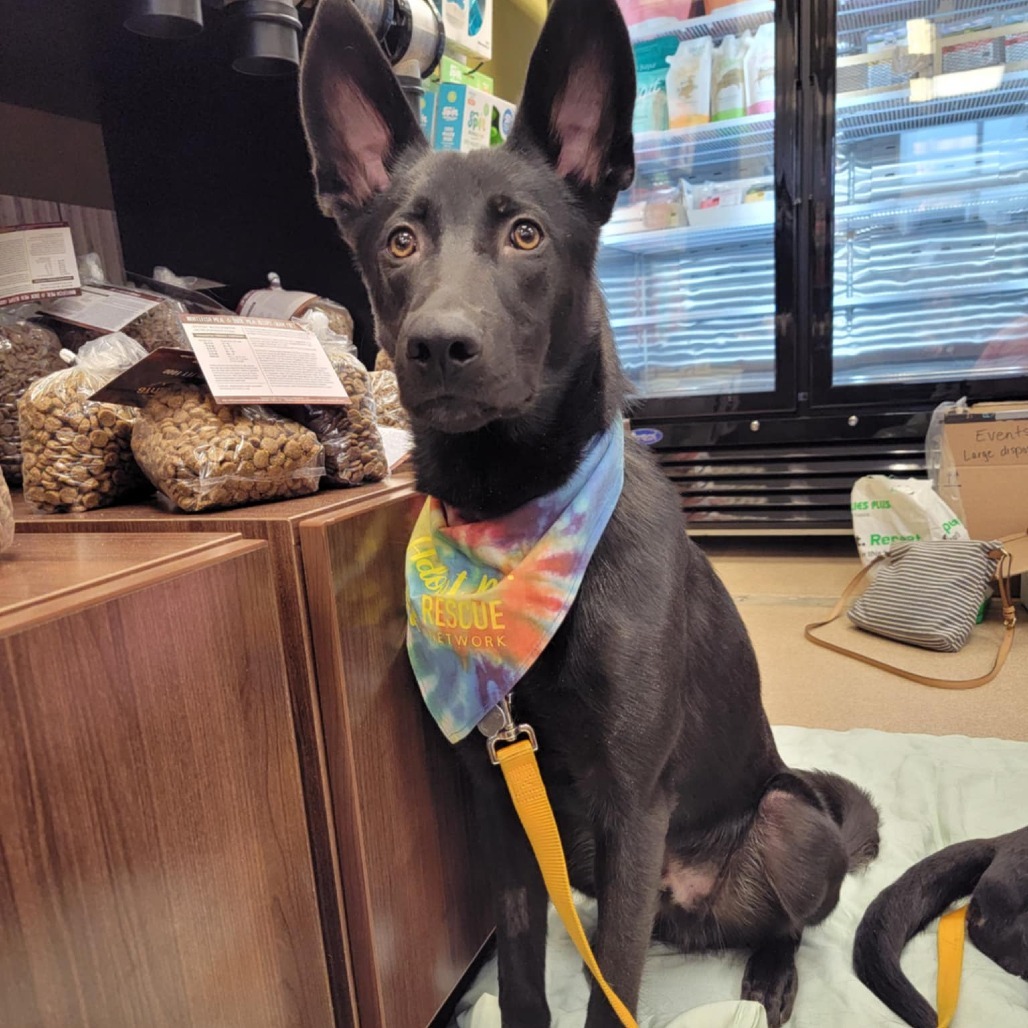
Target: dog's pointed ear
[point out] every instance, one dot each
(355, 115)
(578, 100)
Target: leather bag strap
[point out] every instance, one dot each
(1009, 620)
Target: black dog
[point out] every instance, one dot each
(994, 872)
(674, 806)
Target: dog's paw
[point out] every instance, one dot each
(771, 980)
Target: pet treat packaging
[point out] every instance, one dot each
(102, 308)
(76, 452)
(888, 511)
(6, 516)
(728, 91)
(354, 452)
(759, 69)
(390, 412)
(28, 351)
(688, 82)
(329, 330)
(290, 304)
(202, 455)
(463, 118)
(651, 83)
(383, 362)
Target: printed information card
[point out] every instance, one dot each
(262, 360)
(37, 262)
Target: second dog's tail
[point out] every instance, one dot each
(901, 911)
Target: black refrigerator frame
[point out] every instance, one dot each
(786, 459)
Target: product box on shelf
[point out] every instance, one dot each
(463, 119)
(469, 119)
(984, 471)
(452, 70)
(426, 108)
(502, 121)
(469, 26)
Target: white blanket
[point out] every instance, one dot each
(931, 791)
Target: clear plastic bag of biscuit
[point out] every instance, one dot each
(354, 451)
(6, 516)
(202, 455)
(76, 452)
(390, 411)
(157, 326)
(28, 351)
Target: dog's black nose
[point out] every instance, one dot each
(448, 349)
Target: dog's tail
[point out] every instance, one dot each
(853, 811)
(904, 909)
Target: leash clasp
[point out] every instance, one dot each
(498, 727)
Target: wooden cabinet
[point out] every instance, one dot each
(156, 864)
(417, 898)
(403, 904)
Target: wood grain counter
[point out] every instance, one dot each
(277, 524)
(156, 866)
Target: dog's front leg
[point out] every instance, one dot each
(629, 854)
(521, 909)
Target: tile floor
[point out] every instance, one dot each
(782, 583)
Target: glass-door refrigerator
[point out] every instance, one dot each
(930, 282)
(826, 237)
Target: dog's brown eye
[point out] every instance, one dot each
(403, 243)
(526, 235)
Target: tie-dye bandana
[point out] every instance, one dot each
(485, 597)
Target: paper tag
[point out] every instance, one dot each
(37, 262)
(164, 367)
(262, 360)
(102, 308)
(274, 303)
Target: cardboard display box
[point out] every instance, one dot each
(984, 472)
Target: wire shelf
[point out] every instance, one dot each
(751, 137)
(687, 237)
(862, 15)
(878, 112)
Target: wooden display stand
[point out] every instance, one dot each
(156, 860)
(404, 910)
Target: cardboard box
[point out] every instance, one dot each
(502, 121)
(426, 109)
(469, 26)
(452, 70)
(984, 472)
(463, 119)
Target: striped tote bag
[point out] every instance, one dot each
(928, 593)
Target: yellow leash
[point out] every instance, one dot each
(525, 784)
(521, 773)
(952, 928)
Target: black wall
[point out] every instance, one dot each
(209, 168)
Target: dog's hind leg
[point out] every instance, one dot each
(770, 979)
(629, 853)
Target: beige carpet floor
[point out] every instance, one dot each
(781, 584)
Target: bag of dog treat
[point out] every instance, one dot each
(203, 455)
(354, 452)
(276, 302)
(6, 516)
(390, 412)
(383, 362)
(27, 351)
(101, 308)
(76, 452)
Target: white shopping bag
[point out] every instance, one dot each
(887, 511)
